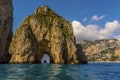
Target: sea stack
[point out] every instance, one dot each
(6, 19)
(44, 33)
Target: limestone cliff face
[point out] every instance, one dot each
(102, 50)
(44, 32)
(6, 13)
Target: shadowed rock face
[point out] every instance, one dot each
(44, 32)
(6, 19)
(81, 55)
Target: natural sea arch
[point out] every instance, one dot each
(45, 58)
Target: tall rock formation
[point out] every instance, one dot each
(102, 50)
(6, 19)
(44, 32)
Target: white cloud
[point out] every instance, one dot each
(93, 32)
(85, 19)
(82, 32)
(110, 29)
(97, 18)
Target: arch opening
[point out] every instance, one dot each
(45, 58)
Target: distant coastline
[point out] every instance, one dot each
(103, 61)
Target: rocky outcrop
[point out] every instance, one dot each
(81, 55)
(44, 32)
(6, 19)
(102, 50)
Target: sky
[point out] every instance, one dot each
(91, 19)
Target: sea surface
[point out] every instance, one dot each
(90, 71)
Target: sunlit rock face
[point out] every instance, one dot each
(6, 19)
(44, 32)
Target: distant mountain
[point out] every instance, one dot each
(102, 50)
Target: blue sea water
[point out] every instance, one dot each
(90, 71)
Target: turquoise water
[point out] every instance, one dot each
(91, 71)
